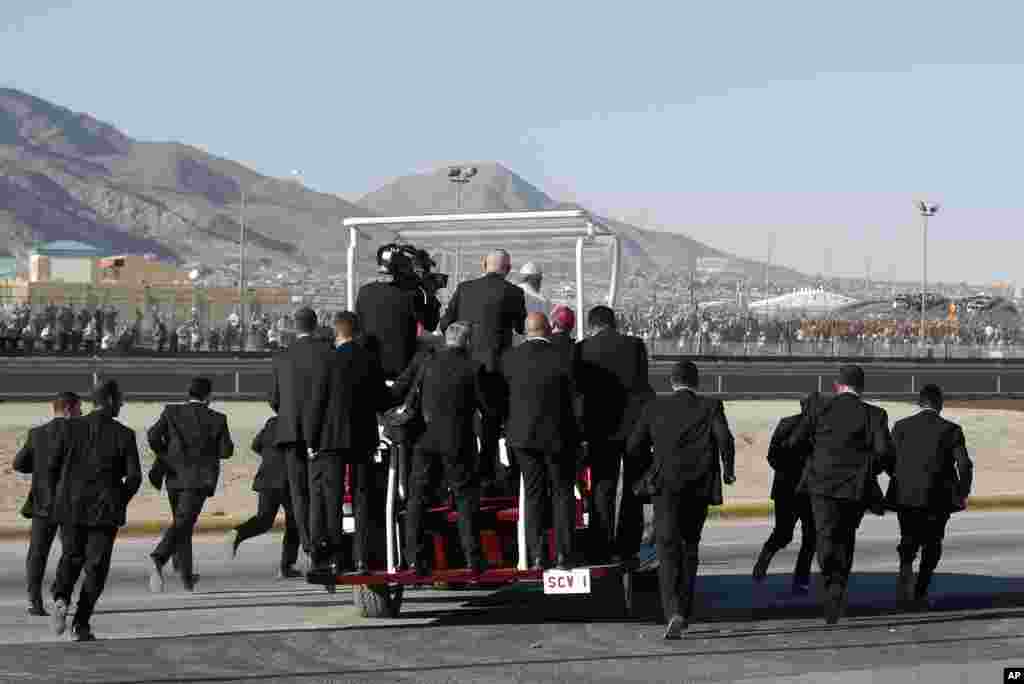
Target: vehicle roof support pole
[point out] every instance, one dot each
(580, 317)
(521, 526)
(350, 282)
(613, 286)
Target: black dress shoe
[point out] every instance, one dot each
(761, 566)
(35, 608)
(82, 633)
(288, 573)
(477, 568)
(564, 562)
(538, 564)
(360, 568)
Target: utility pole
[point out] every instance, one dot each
(460, 175)
(241, 273)
(926, 210)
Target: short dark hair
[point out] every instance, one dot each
(686, 373)
(200, 388)
(601, 317)
(852, 376)
(347, 322)
(66, 400)
(306, 320)
(930, 396)
(106, 394)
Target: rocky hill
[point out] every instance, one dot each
(66, 175)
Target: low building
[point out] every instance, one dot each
(64, 261)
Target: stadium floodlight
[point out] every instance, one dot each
(927, 210)
(460, 175)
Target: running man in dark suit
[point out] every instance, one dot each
(851, 444)
(42, 448)
(612, 377)
(790, 505)
(189, 440)
(693, 452)
(271, 482)
(99, 473)
(931, 478)
(300, 396)
(542, 431)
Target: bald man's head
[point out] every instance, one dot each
(498, 261)
(537, 325)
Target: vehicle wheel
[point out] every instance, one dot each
(376, 601)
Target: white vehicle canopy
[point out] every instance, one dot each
(502, 229)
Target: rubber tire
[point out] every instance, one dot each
(376, 601)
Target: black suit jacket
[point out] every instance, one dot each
(44, 445)
(851, 447)
(357, 392)
(273, 471)
(564, 343)
(612, 377)
(930, 468)
(787, 461)
(302, 391)
(452, 393)
(190, 440)
(495, 307)
(692, 444)
(98, 474)
(539, 395)
(388, 316)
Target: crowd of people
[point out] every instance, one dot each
(503, 376)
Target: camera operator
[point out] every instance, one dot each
(390, 311)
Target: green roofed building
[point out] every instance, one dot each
(65, 261)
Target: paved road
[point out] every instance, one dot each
(244, 626)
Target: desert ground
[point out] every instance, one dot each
(994, 430)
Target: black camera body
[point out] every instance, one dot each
(410, 266)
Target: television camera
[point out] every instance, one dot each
(411, 267)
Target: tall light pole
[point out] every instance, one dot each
(460, 175)
(927, 210)
(244, 322)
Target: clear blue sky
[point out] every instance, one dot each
(730, 121)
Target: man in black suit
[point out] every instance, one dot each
(349, 436)
(271, 482)
(611, 372)
(451, 393)
(389, 313)
(693, 452)
(189, 440)
(790, 505)
(300, 396)
(542, 431)
(497, 309)
(931, 478)
(35, 456)
(851, 444)
(98, 473)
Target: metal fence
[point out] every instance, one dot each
(909, 349)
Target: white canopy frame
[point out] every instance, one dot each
(570, 224)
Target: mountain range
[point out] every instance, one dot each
(68, 176)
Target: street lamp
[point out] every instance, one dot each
(927, 210)
(460, 175)
(241, 264)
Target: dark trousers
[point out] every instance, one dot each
(543, 475)
(368, 508)
(678, 524)
(624, 539)
(326, 498)
(922, 529)
(43, 532)
(427, 468)
(836, 522)
(177, 539)
(789, 510)
(85, 549)
(270, 501)
(298, 484)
